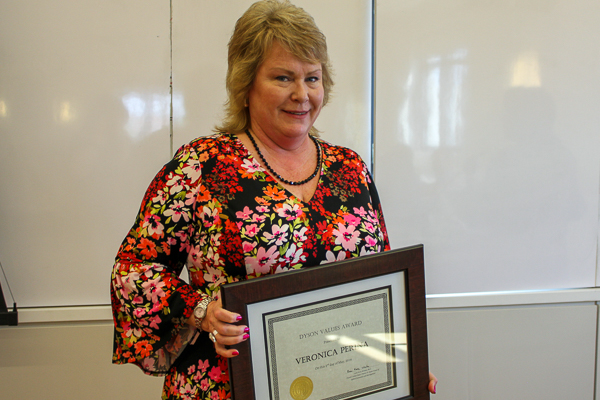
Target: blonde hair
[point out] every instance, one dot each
(263, 23)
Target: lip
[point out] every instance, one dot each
(297, 113)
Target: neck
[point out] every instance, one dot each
(292, 159)
(283, 145)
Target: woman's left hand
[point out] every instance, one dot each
(432, 383)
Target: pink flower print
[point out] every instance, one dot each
(175, 184)
(360, 211)
(204, 385)
(128, 283)
(214, 275)
(184, 243)
(215, 240)
(139, 312)
(152, 223)
(177, 210)
(300, 236)
(209, 216)
(148, 363)
(290, 211)
(203, 365)
(154, 321)
(250, 230)
(188, 392)
(247, 247)
(193, 169)
(129, 331)
(153, 289)
(346, 236)
(371, 241)
(293, 255)
(372, 217)
(262, 262)
(365, 252)
(214, 395)
(278, 234)
(215, 374)
(190, 198)
(262, 209)
(352, 219)
(369, 227)
(251, 166)
(330, 257)
(258, 218)
(191, 369)
(244, 214)
(160, 197)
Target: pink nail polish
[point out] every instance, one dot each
(246, 336)
(236, 353)
(239, 317)
(246, 329)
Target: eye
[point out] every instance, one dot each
(282, 78)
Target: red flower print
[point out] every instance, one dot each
(203, 194)
(143, 348)
(130, 244)
(223, 394)
(148, 248)
(274, 193)
(215, 374)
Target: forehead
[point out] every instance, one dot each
(280, 57)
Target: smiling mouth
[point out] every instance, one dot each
(297, 112)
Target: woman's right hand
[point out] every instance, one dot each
(227, 333)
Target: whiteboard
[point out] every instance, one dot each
(85, 110)
(487, 139)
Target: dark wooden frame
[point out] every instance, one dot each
(236, 297)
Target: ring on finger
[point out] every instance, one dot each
(212, 337)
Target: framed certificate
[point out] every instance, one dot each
(354, 329)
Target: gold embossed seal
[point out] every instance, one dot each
(301, 388)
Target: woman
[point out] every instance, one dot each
(262, 196)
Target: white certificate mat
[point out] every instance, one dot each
(345, 341)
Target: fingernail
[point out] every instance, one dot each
(434, 389)
(246, 336)
(246, 329)
(239, 317)
(236, 353)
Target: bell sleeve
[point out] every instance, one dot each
(150, 303)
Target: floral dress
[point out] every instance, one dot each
(215, 210)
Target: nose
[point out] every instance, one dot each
(300, 93)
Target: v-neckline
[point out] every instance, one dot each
(266, 172)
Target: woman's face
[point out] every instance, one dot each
(286, 96)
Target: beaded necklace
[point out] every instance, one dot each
(302, 182)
